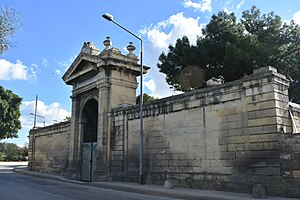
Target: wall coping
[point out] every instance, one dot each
(207, 92)
(42, 130)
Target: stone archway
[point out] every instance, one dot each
(89, 119)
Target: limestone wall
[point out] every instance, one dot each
(222, 138)
(295, 116)
(290, 163)
(227, 137)
(49, 148)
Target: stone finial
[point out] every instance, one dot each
(89, 48)
(130, 48)
(107, 43)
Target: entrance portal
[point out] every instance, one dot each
(89, 145)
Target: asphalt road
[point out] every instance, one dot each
(20, 187)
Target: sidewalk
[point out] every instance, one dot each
(179, 193)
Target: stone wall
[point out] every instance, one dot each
(49, 148)
(289, 144)
(222, 138)
(229, 137)
(294, 111)
(290, 163)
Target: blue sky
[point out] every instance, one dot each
(54, 32)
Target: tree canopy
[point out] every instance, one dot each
(9, 24)
(146, 98)
(233, 48)
(12, 152)
(9, 114)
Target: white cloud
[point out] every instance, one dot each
(45, 62)
(16, 71)
(204, 5)
(240, 4)
(180, 26)
(150, 84)
(227, 10)
(65, 64)
(296, 17)
(52, 113)
(159, 37)
(58, 72)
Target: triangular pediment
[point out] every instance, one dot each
(83, 64)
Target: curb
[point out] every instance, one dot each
(155, 190)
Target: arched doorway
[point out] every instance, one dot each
(89, 121)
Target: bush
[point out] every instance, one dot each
(12, 152)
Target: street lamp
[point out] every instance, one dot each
(40, 117)
(141, 150)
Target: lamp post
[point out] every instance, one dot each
(35, 115)
(141, 150)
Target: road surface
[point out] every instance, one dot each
(20, 187)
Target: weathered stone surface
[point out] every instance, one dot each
(168, 184)
(258, 191)
(227, 137)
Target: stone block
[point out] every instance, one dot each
(223, 147)
(264, 69)
(240, 154)
(262, 113)
(261, 105)
(284, 156)
(262, 121)
(229, 125)
(235, 132)
(263, 138)
(271, 145)
(273, 162)
(296, 174)
(242, 138)
(193, 104)
(230, 97)
(227, 140)
(260, 129)
(297, 156)
(227, 111)
(289, 165)
(168, 184)
(258, 191)
(228, 155)
(268, 171)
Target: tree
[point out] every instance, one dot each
(12, 152)
(67, 118)
(9, 114)
(234, 48)
(9, 24)
(146, 98)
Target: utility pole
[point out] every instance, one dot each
(35, 110)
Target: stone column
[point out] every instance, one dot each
(73, 170)
(31, 150)
(101, 171)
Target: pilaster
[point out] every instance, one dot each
(73, 170)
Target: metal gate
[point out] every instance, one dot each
(89, 155)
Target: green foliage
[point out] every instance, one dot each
(234, 48)
(146, 98)
(12, 152)
(9, 114)
(67, 118)
(9, 24)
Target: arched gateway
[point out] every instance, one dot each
(89, 120)
(100, 81)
